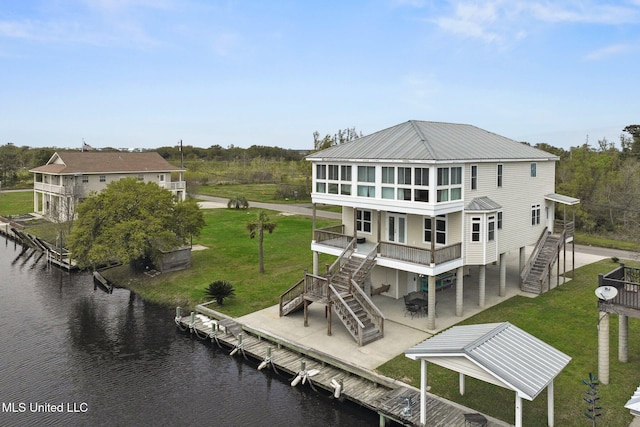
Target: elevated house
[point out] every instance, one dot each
(422, 202)
(70, 176)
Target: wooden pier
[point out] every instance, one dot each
(392, 400)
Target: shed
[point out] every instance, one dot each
(498, 353)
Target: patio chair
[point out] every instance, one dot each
(409, 308)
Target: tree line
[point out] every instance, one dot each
(605, 176)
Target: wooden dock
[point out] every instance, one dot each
(392, 400)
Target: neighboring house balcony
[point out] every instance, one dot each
(173, 185)
(420, 260)
(62, 190)
(627, 282)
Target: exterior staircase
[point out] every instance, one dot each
(535, 276)
(342, 289)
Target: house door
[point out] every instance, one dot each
(396, 228)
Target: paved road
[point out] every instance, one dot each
(298, 209)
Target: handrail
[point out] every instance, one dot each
(298, 288)
(370, 257)
(346, 253)
(368, 305)
(345, 307)
(536, 250)
(544, 277)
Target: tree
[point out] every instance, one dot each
(258, 228)
(129, 221)
(339, 137)
(634, 147)
(9, 163)
(219, 290)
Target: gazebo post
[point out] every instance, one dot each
(550, 415)
(423, 391)
(518, 410)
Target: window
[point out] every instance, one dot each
(499, 175)
(535, 214)
(85, 179)
(333, 188)
(404, 194)
(103, 178)
(491, 228)
(345, 173)
(499, 220)
(333, 172)
(363, 221)
(404, 176)
(475, 229)
(321, 187)
(366, 174)
(321, 172)
(443, 176)
(388, 175)
(474, 177)
(421, 195)
(388, 193)
(443, 196)
(366, 191)
(440, 231)
(140, 177)
(533, 170)
(421, 176)
(345, 189)
(456, 176)
(161, 177)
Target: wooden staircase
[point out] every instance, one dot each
(342, 289)
(536, 275)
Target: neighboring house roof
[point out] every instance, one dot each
(634, 403)
(435, 141)
(499, 353)
(482, 204)
(92, 162)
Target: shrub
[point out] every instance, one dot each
(219, 290)
(238, 202)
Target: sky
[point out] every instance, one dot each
(149, 73)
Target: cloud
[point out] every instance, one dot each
(607, 52)
(503, 22)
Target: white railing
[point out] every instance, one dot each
(174, 185)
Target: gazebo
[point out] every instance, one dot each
(498, 353)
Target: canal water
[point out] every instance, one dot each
(71, 355)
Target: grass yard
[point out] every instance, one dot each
(233, 256)
(16, 203)
(265, 193)
(565, 318)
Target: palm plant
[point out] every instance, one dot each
(238, 202)
(219, 290)
(258, 228)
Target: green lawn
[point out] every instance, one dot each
(265, 193)
(565, 318)
(16, 203)
(233, 256)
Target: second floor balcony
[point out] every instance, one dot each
(333, 239)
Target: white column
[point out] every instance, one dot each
(423, 391)
(461, 381)
(550, 417)
(431, 304)
(518, 410)
(603, 347)
(482, 275)
(503, 275)
(316, 260)
(460, 292)
(623, 338)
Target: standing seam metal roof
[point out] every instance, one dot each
(506, 351)
(435, 141)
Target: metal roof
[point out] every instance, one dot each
(499, 353)
(559, 198)
(432, 141)
(93, 162)
(482, 204)
(633, 404)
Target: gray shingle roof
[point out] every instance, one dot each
(432, 141)
(92, 162)
(510, 354)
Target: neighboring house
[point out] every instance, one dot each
(70, 176)
(426, 200)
